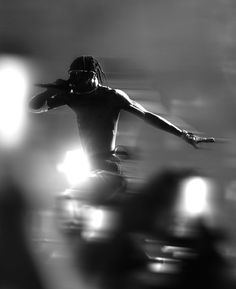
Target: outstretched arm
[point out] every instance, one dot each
(49, 99)
(154, 119)
(160, 122)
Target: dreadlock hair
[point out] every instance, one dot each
(88, 63)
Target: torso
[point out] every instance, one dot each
(97, 116)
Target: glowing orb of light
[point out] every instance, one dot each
(75, 166)
(14, 86)
(195, 195)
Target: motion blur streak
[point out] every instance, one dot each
(14, 85)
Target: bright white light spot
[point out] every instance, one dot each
(70, 207)
(163, 267)
(95, 219)
(195, 193)
(75, 166)
(14, 85)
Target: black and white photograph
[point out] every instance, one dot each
(117, 144)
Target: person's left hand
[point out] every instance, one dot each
(194, 140)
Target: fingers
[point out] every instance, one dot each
(205, 140)
(199, 139)
(196, 140)
(209, 139)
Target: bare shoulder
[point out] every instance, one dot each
(129, 104)
(118, 96)
(122, 94)
(123, 99)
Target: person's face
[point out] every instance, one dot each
(83, 80)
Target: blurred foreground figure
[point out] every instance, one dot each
(155, 242)
(97, 108)
(173, 247)
(18, 268)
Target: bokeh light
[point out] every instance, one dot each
(195, 194)
(14, 88)
(75, 166)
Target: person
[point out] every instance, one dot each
(19, 266)
(97, 108)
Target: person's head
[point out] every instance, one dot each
(85, 74)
